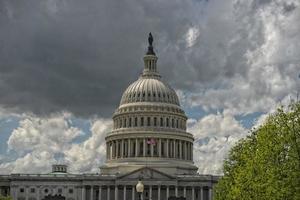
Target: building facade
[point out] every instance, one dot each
(149, 142)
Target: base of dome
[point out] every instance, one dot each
(172, 167)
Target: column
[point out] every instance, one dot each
(159, 147)
(151, 150)
(180, 149)
(100, 192)
(192, 153)
(158, 195)
(117, 148)
(176, 191)
(137, 147)
(83, 193)
(108, 193)
(26, 193)
(201, 193)
(185, 151)
(116, 192)
(92, 192)
(174, 147)
(133, 192)
(193, 193)
(184, 192)
(168, 192)
(144, 147)
(122, 148)
(167, 150)
(150, 191)
(37, 192)
(129, 148)
(124, 192)
(210, 194)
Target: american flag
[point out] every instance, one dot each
(151, 141)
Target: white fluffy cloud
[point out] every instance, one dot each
(214, 135)
(41, 142)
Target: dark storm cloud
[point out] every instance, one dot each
(80, 55)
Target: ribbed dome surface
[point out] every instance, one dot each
(149, 89)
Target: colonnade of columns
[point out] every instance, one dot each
(128, 192)
(149, 147)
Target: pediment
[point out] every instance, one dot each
(146, 173)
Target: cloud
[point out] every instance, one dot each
(214, 135)
(41, 142)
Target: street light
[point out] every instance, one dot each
(140, 189)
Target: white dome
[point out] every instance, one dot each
(149, 89)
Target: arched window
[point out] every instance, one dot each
(142, 121)
(129, 121)
(167, 122)
(173, 123)
(125, 123)
(176, 123)
(161, 122)
(148, 121)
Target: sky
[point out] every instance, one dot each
(64, 65)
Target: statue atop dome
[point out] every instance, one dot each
(150, 39)
(150, 47)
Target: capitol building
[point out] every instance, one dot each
(148, 145)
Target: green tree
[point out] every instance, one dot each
(266, 164)
(5, 198)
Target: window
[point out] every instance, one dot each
(142, 121)
(167, 122)
(59, 190)
(148, 121)
(125, 123)
(21, 190)
(155, 119)
(46, 190)
(71, 191)
(130, 122)
(32, 190)
(161, 121)
(172, 123)
(176, 123)
(135, 121)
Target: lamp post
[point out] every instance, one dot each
(140, 189)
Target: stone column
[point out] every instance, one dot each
(167, 150)
(83, 193)
(133, 192)
(192, 153)
(92, 193)
(150, 191)
(124, 192)
(26, 193)
(201, 193)
(184, 192)
(151, 149)
(185, 151)
(174, 151)
(158, 195)
(100, 192)
(168, 192)
(108, 193)
(180, 149)
(129, 148)
(193, 193)
(144, 147)
(37, 193)
(137, 147)
(176, 191)
(117, 148)
(116, 192)
(159, 148)
(122, 148)
(210, 197)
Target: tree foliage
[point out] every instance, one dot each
(5, 198)
(265, 164)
